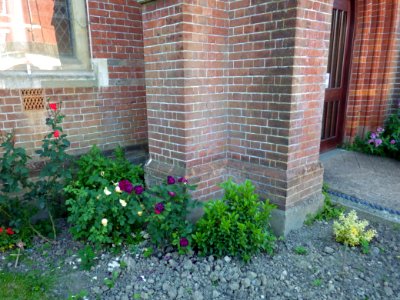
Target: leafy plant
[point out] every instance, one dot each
(105, 199)
(167, 206)
(329, 210)
(382, 141)
(47, 192)
(15, 211)
(365, 247)
(106, 216)
(110, 282)
(351, 231)
(236, 225)
(95, 170)
(87, 256)
(300, 250)
(14, 173)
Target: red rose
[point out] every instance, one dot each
(1, 229)
(57, 134)
(9, 231)
(53, 106)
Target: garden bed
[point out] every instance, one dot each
(308, 264)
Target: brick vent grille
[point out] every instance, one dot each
(32, 99)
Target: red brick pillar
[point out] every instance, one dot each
(185, 54)
(236, 89)
(278, 64)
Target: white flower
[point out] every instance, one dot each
(106, 191)
(145, 235)
(102, 173)
(117, 189)
(140, 213)
(104, 222)
(122, 202)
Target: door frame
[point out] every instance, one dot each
(333, 143)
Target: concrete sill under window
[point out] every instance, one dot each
(47, 79)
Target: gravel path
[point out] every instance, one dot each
(328, 271)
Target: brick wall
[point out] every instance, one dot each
(185, 55)
(277, 61)
(235, 89)
(106, 116)
(375, 65)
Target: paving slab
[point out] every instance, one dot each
(373, 180)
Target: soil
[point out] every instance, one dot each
(327, 270)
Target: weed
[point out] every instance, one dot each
(365, 248)
(300, 250)
(123, 264)
(110, 282)
(32, 286)
(317, 282)
(147, 252)
(80, 296)
(328, 212)
(137, 296)
(87, 256)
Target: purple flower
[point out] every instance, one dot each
(159, 208)
(370, 141)
(170, 180)
(126, 186)
(172, 194)
(183, 180)
(380, 129)
(393, 142)
(373, 135)
(378, 142)
(138, 189)
(183, 242)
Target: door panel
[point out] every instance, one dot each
(338, 69)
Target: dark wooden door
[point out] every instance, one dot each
(337, 77)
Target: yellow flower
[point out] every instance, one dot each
(140, 213)
(117, 189)
(106, 191)
(123, 202)
(104, 222)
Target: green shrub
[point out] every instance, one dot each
(105, 199)
(167, 207)
(351, 231)
(236, 225)
(105, 216)
(95, 170)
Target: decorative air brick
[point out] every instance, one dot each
(32, 99)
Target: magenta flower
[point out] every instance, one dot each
(183, 180)
(378, 142)
(183, 242)
(126, 186)
(172, 194)
(159, 208)
(393, 142)
(138, 189)
(170, 180)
